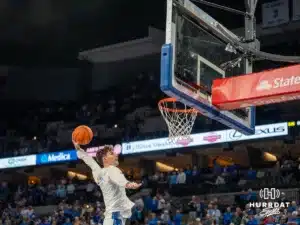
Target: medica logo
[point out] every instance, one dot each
(270, 205)
(57, 157)
(60, 157)
(281, 82)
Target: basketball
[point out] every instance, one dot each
(82, 135)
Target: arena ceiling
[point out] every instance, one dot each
(46, 32)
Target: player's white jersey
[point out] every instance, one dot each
(112, 183)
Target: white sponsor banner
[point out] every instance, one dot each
(263, 131)
(275, 13)
(296, 9)
(92, 151)
(20, 161)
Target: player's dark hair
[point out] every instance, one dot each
(102, 153)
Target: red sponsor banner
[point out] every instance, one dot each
(267, 87)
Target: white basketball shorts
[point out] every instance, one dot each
(114, 219)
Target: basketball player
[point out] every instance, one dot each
(112, 183)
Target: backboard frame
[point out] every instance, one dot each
(195, 99)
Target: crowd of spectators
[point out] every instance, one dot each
(151, 208)
(284, 172)
(77, 201)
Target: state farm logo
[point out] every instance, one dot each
(263, 85)
(279, 82)
(212, 138)
(185, 141)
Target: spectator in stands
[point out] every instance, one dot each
(194, 175)
(154, 204)
(237, 217)
(252, 221)
(155, 177)
(70, 190)
(220, 180)
(4, 192)
(51, 191)
(217, 213)
(137, 215)
(165, 218)
(188, 174)
(251, 174)
(227, 216)
(181, 177)
(244, 197)
(209, 220)
(216, 166)
(161, 204)
(292, 207)
(162, 178)
(153, 219)
(61, 191)
(173, 178)
(257, 216)
(252, 196)
(147, 202)
(90, 189)
(193, 205)
(139, 203)
(177, 218)
(67, 221)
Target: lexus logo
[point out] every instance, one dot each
(268, 131)
(235, 135)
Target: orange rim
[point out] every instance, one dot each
(165, 100)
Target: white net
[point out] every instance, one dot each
(179, 118)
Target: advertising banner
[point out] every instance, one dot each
(56, 157)
(267, 87)
(93, 150)
(263, 131)
(275, 13)
(20, 161)
(200, 139)
(224, 136)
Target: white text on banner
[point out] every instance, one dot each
(275, 13)
(19, 161)
(92, 151)
(263, 131)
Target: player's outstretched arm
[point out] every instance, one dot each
(88, 160)
(116, 176)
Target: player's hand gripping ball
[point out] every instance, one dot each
(82, 135)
